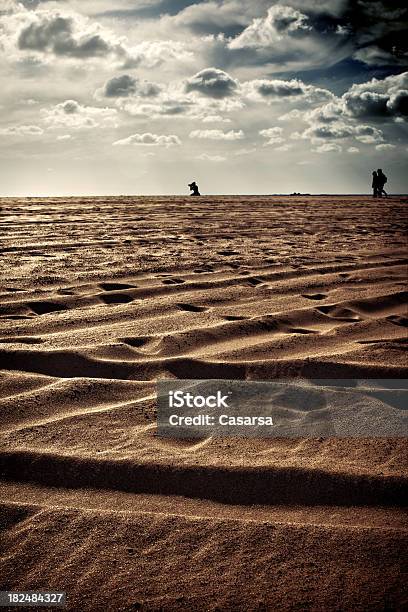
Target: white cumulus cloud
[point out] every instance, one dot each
(149, 139)
(217, 134)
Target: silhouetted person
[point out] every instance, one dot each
(194, 189)
(381, 180)
(374, 185)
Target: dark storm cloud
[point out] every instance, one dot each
(398, 103)
(379, 31)
(373, 105)
(373, 32)
(366, 104)
(373, 55)
(126, 85)
(213, 83)
(288, 20)
(56, 34)
(291, 32)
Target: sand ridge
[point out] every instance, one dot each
(100, 297)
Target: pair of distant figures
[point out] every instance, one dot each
(379, 180)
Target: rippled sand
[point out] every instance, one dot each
(100, 297)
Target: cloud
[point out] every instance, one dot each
(273, 141)
(329, 147)
(287, 38)
(277, 88)
(271, 132)
(213, 83)
(61, 36)
(375, 56)
(295, 113)
(148, 139)
(353, 150)
(34, 3)
(274, 135)
(173, 102)
(212, 18)
(215, 119)
(212, 158)
(164, 107)
(368, 134)
(217, 134)
(350, 116)
(22, 130)
(154, 53)
(245, 151)
(68, 35)
(398, 103)
(297, 34)
(339, 130)
(75, 115)
(366, 104)
(327, 113)
(268, 31)
(126, 85)
(386, 146)
(284, 147)
(378, 99)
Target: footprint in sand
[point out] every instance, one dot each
(173, 281)
(44, 307)
(144, 344)
(314, 296)
(301, 330)
(116, 298)
(191, 307)
(116, 286)
(203, 270)
(253, 281)
(340, 314)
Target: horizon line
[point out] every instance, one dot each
(186, 195)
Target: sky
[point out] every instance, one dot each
(107, 97)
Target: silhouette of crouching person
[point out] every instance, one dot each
(194, 189)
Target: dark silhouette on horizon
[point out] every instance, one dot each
(194, 189)
(379, 180)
